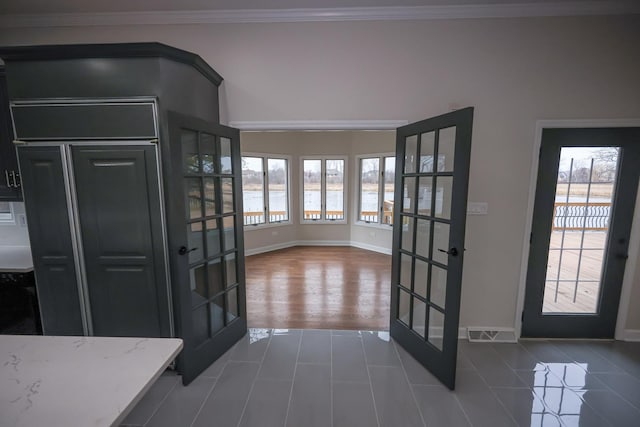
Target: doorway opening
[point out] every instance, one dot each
(318, 209)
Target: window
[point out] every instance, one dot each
(265, 189)
(6, 212)
(323, 189)
(377, 175)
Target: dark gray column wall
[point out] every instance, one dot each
(178, 86)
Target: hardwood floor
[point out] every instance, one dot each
(311, 287)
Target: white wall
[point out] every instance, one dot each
(514, 71)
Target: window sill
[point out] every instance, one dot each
(323, 222)
(251, 227)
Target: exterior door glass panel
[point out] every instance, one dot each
(582, 213)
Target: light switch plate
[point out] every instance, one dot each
(477, 208)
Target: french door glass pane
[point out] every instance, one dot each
(388, 191)
(190, 158)
(440, 242)
(216, 308)
(407, 233)
(195, 238)
(312, 196)
(424, 195)
(198, 285)
(232, 304)
(581, 216)
(193, 192)
(446, 149)
(215, 276)
(405, 271)
(230, 268)
(208, 152)
(408, 194)
(438, 286)
(335, 189)
(278, 190)
(419, 316)
(444, 187)
(229, 225)
(421, 278)
(436, 327)
(227, 195)
(225, 156)
(213, 238)
(369, 189)
(403, 306)
(209, 196)
(410, 156)
(253, 190)
(423, 232)
(427, 146)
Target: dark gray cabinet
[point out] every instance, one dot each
(9, 173)
(133, 194)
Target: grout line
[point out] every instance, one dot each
(253, 383)
(293, 380)
(331, 375)
(204, 401)
(215, 383)
(373, 397)
(406, 377)
(178, 379)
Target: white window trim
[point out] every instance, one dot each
(10, 218)
(357, 189)
(267, 224)
(345, 189)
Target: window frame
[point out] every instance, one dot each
(323, 190)
(265, 190)
(358, 189)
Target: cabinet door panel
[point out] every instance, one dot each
(120, 222)
(51, 242)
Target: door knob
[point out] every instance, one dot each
(622, 256)
(183, 250)
(452, 251)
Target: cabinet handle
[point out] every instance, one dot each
(16, 179)
(6, 175)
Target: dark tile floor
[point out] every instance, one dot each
(306, 378)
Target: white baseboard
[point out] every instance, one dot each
(631, 335)
(290, 244)
(323, 243)
(379, 249)
(263, 249)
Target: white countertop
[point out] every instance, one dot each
(15, 259)
(77, 381)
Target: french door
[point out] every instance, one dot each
(585, 197)
(205, 233)
(432, 175)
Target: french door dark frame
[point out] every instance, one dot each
(197, 354)
(601, 324)
(440, 361)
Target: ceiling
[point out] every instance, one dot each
(10, 7)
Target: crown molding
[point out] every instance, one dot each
(514, 10)
(318, 125)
